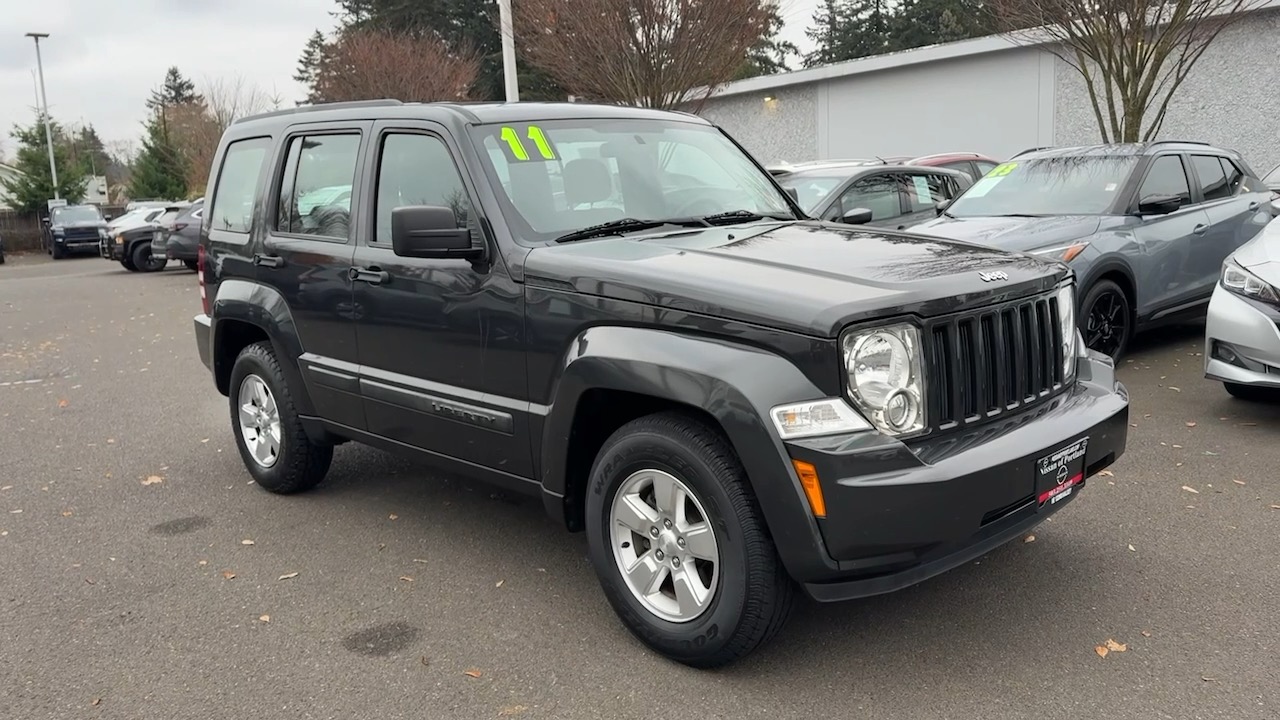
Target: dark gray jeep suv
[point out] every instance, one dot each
(619, 312)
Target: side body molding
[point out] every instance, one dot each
(735, 384)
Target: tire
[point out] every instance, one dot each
(1110, 331)
(298, 463)
(750, 594)
(57, 251)
(192, 265)
(127, 264)
(1252, 393)
(142, 259)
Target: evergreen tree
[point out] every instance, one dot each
(87, 150)
(828, 33)
(31, 190)
(160, 171)
(849, 29)
(309, 66)
(176, 90)
(770, 55)
(928, 22)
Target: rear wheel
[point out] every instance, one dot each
(1252, 393)
(269, 434)
(679, 543)
(1106, 320)
(144, 261)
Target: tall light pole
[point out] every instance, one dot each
(508, 50)
(44, 101)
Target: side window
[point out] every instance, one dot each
(877, 194)
(984, 167)
(1213, 181)
(964, 167)
(1235, 177)
(924, 191)
(1166, 177)
(416, 169)
(238, 185)
(315, 192)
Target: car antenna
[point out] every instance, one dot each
(882, 160)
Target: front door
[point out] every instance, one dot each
(881, 194)
(306, 256)
(441, 348)
(1169, 276)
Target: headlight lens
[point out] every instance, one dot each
(1067, 314)
(1061, 253)
(1242, 282)
(885, 380)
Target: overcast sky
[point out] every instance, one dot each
(103, 57)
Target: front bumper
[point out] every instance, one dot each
(109, 249)
(898, 515)
(1241, 341)
(203, 327)
(78, 244)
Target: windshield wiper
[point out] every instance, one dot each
(1018, 215)
(737, 216)
(625, 225)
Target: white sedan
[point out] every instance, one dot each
(1242, 334)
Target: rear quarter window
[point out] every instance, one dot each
(237, 187)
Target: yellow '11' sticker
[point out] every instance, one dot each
(512, 138)
(1002, 169)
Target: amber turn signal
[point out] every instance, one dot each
(812, 488)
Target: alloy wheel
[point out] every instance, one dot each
(1107, 323)
(259, 421)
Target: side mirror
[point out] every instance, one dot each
(107, 217)
(941, 207)
(856, 216)
(1159, 204)
(46, 220)
(430, 231)
(792, 193)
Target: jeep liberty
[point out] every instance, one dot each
(620, 312)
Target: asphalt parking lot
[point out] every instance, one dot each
(141, 576)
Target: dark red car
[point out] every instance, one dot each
(975, 165)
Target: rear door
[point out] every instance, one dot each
(1230, 218)
(1169, 278)
(306, 256)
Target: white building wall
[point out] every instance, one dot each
(784, 128)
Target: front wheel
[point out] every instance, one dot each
(1106, 321)
(679, 543)
(273, 444)
(144, 261)
(57, 251)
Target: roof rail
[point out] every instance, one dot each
(1033, 149)
(386, 102)
(1179, 142)
(947, 154)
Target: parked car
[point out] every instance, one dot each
(1242, 333)
(727, 397)
(177, 236)
(1146, 227)
(973, 164)
(73, 228)
(1272, 181)
(896, 196)
(132, 248)
(133, 218)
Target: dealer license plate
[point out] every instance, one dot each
(1061, 472)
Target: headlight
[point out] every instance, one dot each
(885, 381)
(1067, 316)
(1242, 282)
(120, 239)
(1061, 253)
(829, 416)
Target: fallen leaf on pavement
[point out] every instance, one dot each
(264, 618)
(1206, 678)
(393, 516)
(1275, 507)
(1191, 489)
(205, 440)
(1210, 452)
(203, 562)
(499, 583)
(1146, 633)
(66, 513)
(111, 441)
(511, 710)
(153, 480)
(62, 403)
(420, 560)
(1106, 473)
(1114, 646)
(6, 487)
(14, 512)
(246, 541)
(1131, 548)
(1175, 389)
(228, 574)
(1246, 424)
(406, 578)
(288, 576)
(1191, 424)
(473, 673)
(1101, 650)
(96, 702)
(425, 662)
(1238, 482)
(1029, 539)
(1178, 446)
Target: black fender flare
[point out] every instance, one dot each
(1104, 266)
(733, 383)
(266, 309)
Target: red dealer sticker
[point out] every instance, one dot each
(1058, 474)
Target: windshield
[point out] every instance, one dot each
(1047, 186)
(559, 176)
(1273, 177)
(812, 188)
(75, 214)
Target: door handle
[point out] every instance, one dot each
(271, 261)
(902, 227)
(1200, 229)
(1253, 206)
(372, 275)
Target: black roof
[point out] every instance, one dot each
(478, 113)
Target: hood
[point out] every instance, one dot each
(806, 277)
(80, 224)
(1261, 255)
(1020, 234)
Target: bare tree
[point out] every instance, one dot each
(1132, 54)
(652, 53)
(197, 127)
(369, 64)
